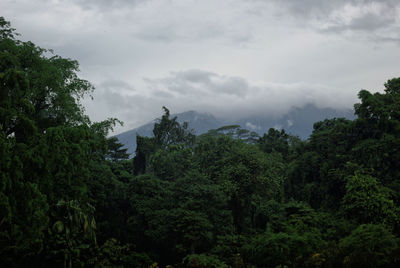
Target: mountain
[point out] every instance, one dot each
(199, 122)
(298, 121)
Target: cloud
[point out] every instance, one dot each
(235, 96)
(253, 127)
(225, 96)
(113, 85)
(374, 20)
(323, 9)
(370, 16)
(234, 22)
(191, 21)
(196, 82)
(231, 58)
(106, 5)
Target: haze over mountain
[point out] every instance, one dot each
(298, 121)
(229, 57)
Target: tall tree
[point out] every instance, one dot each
(167, 132)
(46, 142)
(115, 150)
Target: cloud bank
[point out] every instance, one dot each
(227, 57)
(376, 20)
(228, 97)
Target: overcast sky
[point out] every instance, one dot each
(225, 57)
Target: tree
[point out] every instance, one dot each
(235, 132)
(173, 162)
(367, 202)
(212, 201)
(275, 141)
(145, 147)
(115, 150)
(243, 171)
(378, 129)
(76, 223)
(47, 144)
(203, 261)
(369, 245)
(37, 92)
(317, 174)
(167, 132)
(280, 249)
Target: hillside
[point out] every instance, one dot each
(298, 121)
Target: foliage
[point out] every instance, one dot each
(234, 132)
(280, 249)
(203, 261)
(75, 229)
(112, 254)
(69, 196)
(168, 131)
(115, 151)
(275, 141)
(369, 245)
(368, 202)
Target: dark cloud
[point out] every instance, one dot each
(204, 91)
(162, 34)
(106, 5)
(162, 94)
(323, 8)
(390, 39)
(117, 100)
(193, 82)
(116, 85)
(224, 96)
(334, 46)
(191, 31)
(376, 20)
(370, 21)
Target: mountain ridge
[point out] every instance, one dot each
(297, 121)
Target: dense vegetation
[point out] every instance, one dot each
(69, 197)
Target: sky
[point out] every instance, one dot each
(230, 58)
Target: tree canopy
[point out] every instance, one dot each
(71, 197)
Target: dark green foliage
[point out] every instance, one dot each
(69, 197)
(369, 245)
(113, 254)
(203, 261)
(115, 151)
(379, 128)
(367, 202)
(235, 132)
(145, 147)
(275, 141)
(168, 131)
(280, 249)
(173, 162)
(246, 175)
(74, 231)
(47, 146)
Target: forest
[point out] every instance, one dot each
(71, 197)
